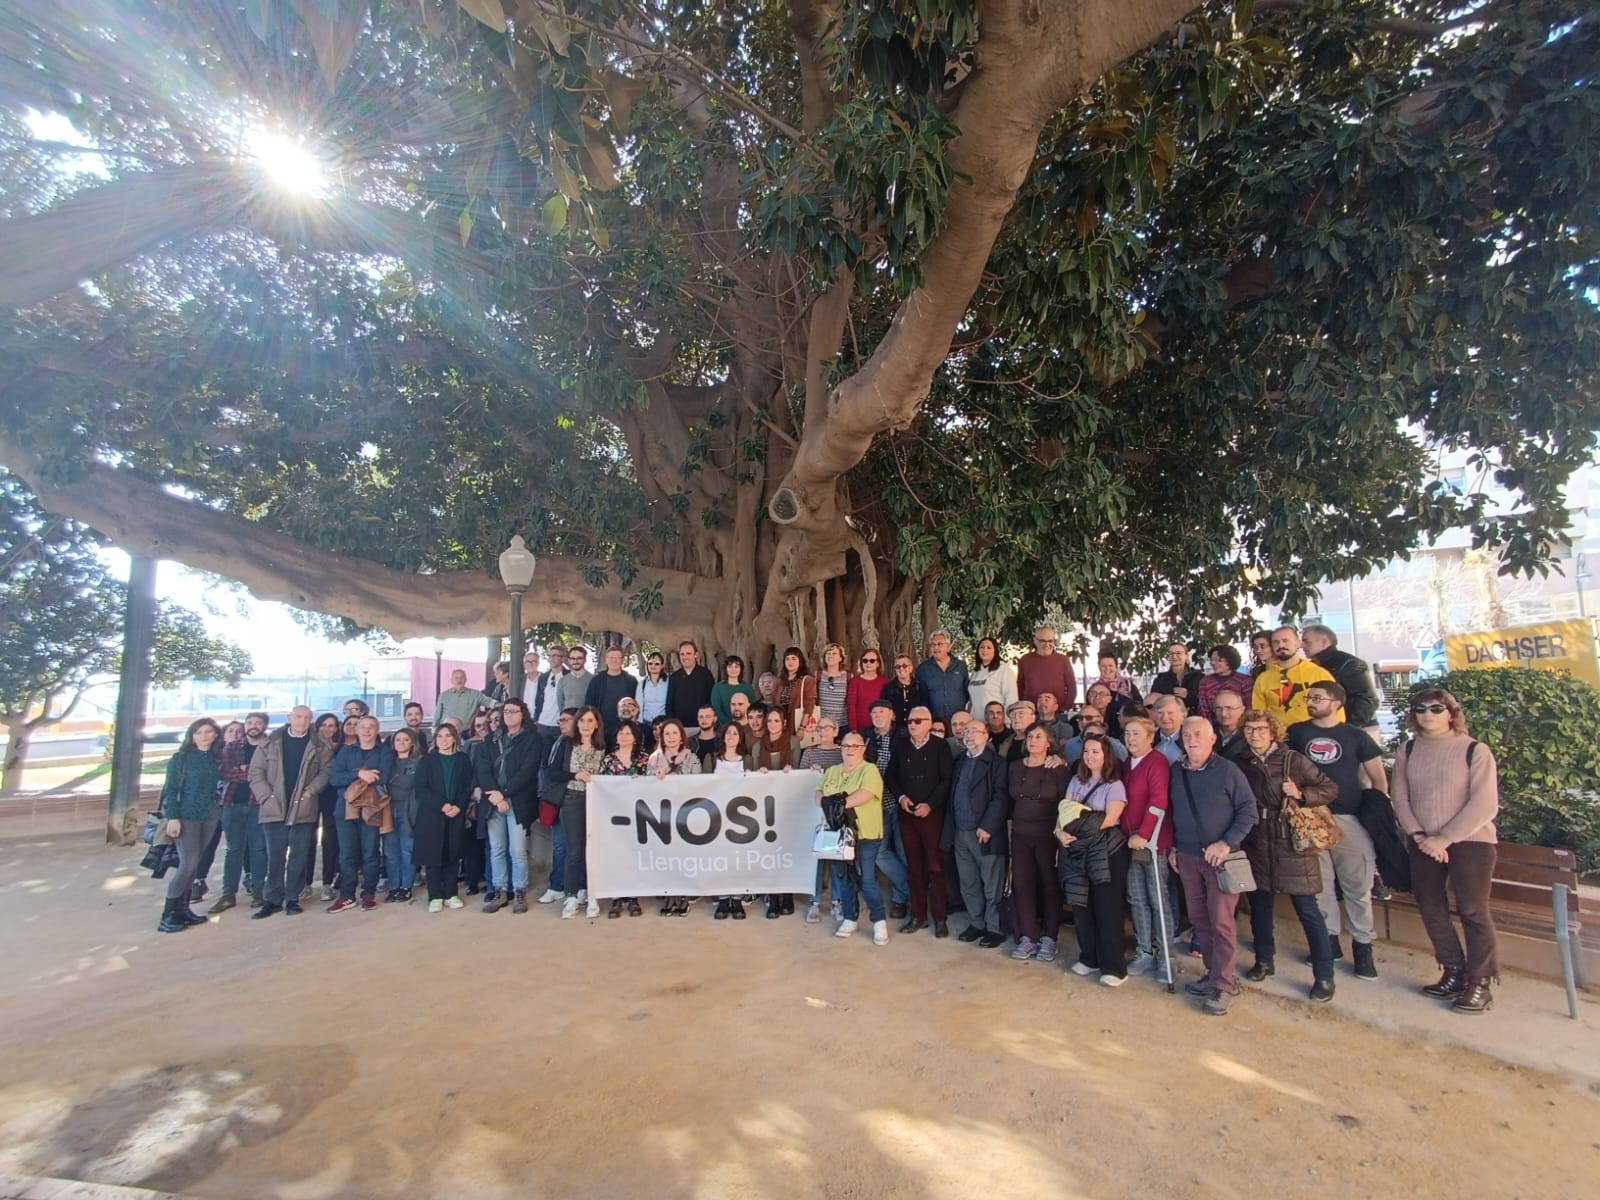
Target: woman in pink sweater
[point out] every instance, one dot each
(1446, 797)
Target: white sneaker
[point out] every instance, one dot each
(435, 905)
(583, 895)
(1113, 980)
(454, 902)
(569, 908)
(1081, 968)
(813, 914)
(835, 911)
(846, 928)
(550, 896)
(880, 933)
(593, 909)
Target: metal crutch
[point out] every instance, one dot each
(1159, 885)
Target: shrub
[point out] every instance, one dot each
(1544, 730)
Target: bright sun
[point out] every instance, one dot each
(288, 163)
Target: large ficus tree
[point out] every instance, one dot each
(788, 321)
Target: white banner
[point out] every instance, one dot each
(702, 835)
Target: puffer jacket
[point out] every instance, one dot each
(1277, 866)
(293, 802)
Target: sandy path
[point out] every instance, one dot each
(401, 1054)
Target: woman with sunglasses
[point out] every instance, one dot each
(653, 690)
(904, 692)
(1446, 796)
(865, 688)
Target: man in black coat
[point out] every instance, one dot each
(975, 828)
(920, 768)
(1361, 704)
(689, 687)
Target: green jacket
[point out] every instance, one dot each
(190, 792)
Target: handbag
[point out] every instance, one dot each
(151, 824)
(158, 860)
(1234, 876)
(1311, 830)
(838, 845)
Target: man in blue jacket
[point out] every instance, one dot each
(1212, 809)
(975, 828)
(944, 677)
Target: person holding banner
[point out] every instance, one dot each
(862, 787)
(673, 756)
(584, 763)
(626, 759)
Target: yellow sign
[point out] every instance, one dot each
(1561, 647)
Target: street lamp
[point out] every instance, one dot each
(516, 572)
(438, 668)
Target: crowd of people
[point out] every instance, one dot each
(988, 789)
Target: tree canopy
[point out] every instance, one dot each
(61, 626)
(788, 321)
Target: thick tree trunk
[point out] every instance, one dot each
(19, 735)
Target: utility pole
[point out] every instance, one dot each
(133, 696)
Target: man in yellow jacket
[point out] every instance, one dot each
(1281, 686)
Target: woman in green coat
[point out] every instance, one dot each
(189, 804)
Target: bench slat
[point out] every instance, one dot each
(1529, 873)
(1536, 855)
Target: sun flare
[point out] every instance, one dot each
(288, 163)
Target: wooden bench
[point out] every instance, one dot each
(1535, 894)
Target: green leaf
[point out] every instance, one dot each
(555, 213)
(490, 12)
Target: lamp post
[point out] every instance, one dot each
(516, 572)
(438, 669)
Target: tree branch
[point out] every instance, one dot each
(144, 518)
(1030, 59)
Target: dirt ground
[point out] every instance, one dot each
(400, 1054)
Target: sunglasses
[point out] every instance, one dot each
(871, 660)
(1435, 709)
(918, 720)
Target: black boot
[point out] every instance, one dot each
(171, 922)
(188, 915)
(774, 909)
(1365, 968)
(722, 910)
(1451, 983)
(1475, 997)
(786, 905)
(736, 909)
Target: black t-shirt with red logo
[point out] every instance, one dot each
(1339, 750)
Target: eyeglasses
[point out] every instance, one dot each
(1258, 728)
(903, 666)
(1435, 709)
(853, 746)
(866, 661)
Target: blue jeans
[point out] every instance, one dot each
(558, 857)
(289, 854)
(508, 852)
(397, 864)
(868, 860)
(246, 851)
(358, 851)
(892, 858)
(1316, 931)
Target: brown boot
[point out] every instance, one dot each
(1474, 998)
